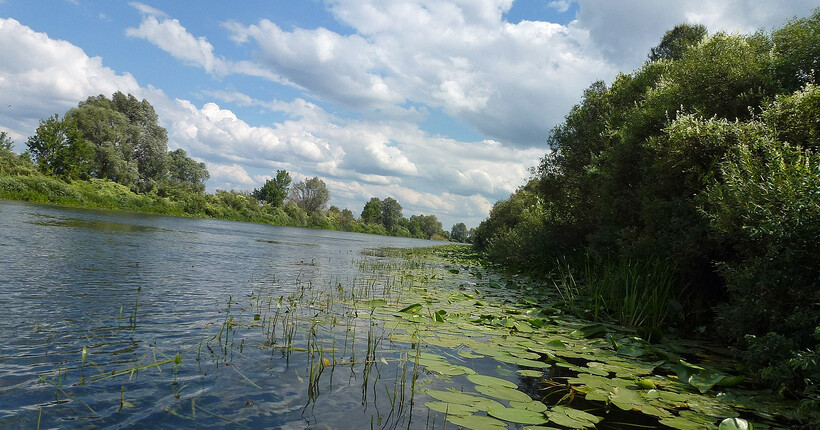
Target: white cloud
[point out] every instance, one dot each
(170, 36)
(40, 76)
(626, 30)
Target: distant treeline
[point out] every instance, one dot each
(112, 153)
(704, 165)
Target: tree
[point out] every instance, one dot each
(459, 233)
(58, 148)
(275, 190)
(429, 226)
(5, 142)
(346, 220)
(677, 40)
(311, 195)
(372, 211)
(151, 142)
(111, 135)
(391, 214)
(186, 172)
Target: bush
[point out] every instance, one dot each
(769, 205)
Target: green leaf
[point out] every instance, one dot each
(521, 416)
(412, 309)
(503, 393)
(476, 422)
(572, 418)
(491, 381)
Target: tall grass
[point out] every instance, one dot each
(631, 293)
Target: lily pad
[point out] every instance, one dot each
(572, 418)
(503, 393)
(521, 416)
(451, 408)
(477, 422)
(491, 381)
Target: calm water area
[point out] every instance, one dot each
(110, 319)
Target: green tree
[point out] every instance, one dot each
(151, 143)
(430, 226)
(347, 221)
(6, 144)
(797, 52)
(275, 190)
(111, 135)
(186, 172)
(311, 195)
(391, 214)
(677, 40)
(372, 211)
(459, 233)
(59, 149)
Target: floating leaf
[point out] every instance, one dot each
(451, 408)
(412, 309)
(534, 406)
(476, 422)
(531, 373)
(375, 303)
(503, 393)
(491, 381)
(572, 418)
(589, 331)
(521, 416)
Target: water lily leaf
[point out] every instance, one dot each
(521, 416)
(491, 381)
(439, 315)
(451, 408)
(454, 271)
(523, 327)
(531, 373)
(412, 309)
(375, 303)
(477, 422)
(453, 397)
(735, 424)
(469, 354)
(731, 381)
(704, 381)
(557, 344)
(683, 424)
(503, 393)
(589, 331)
(534, 406)
(572, 418)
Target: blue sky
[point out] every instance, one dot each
(441, 104)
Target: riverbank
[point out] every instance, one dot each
(226, 205)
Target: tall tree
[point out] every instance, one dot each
(186, 172)
(459, 232)
(391, 214)
(372, 211)
(677, 40)
(311, 195)
(5, 142)
(275, 190)
(111, 135)
(58, 148)
(151, 143)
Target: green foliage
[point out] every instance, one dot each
(310, 195)
(706, 157)
(372, 211)
(275, 190)
(459, 233)
(59, 149)
(185, 173)
(769, 205)
(391, 214)
(677, 41)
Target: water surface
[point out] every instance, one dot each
(138, 289)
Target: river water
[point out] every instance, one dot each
(91, 301)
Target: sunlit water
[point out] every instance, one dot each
(135, 290)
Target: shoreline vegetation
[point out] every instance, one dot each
(112, 154)
(685, 197)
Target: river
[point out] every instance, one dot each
(87, 295)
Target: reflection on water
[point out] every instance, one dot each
(92, 301)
